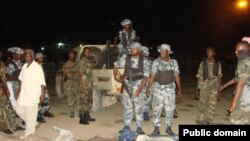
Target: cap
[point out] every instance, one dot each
(126, 22)
(39, 55)
(165, 47)
(16, 50)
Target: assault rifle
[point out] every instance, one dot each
(124, 84)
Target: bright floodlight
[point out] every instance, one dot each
(242, 4)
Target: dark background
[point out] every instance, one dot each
(187, 25)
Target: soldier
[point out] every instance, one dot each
(13, 69)
(69, 82)
(240, 105)
(145, 53)
(126, 36)
(209, 80)
(162, 83)
(44, 107)
(85, 83)
(134, 79)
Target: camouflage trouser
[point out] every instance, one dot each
(207, 105)
(146, 100)
(45, 106)
(13, 86)
(128, 104)
(71, 92)
(7, 113)
(85, 101)
(241, 115)
(166, 98)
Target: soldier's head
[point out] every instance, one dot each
(135, 48)
(242, 50)
(72, 55)
(39, 57)
(210, 51)
(86, 52)
(29, 55)
(144, 51)
(165, 51)
(126, 24)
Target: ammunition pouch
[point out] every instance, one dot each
(165, 77)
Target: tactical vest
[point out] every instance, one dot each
(165, 77)
(136, 73)
(205, 69)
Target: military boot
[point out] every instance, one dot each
(139, 131)
(156, 132)
(169, 131)
(83, 119)
(124, 128)
(89, 118)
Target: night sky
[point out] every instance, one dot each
(187, 25)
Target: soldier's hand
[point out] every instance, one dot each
(137, 93)
(42, 98)
(232, 107)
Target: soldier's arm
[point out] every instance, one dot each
(178, 83)
(117, 76)
(239, 89)
(144, 81)
(150, 83)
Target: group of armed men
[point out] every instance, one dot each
(157, 80)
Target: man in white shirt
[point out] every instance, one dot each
(32, 91)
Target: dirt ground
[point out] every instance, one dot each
(109, 121)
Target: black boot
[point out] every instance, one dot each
(40, 118)
(156, 132)
(139, 131)
(83, 119)
(169, 131)
(124, 128)
(89, 118)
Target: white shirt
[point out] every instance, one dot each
(32, 79)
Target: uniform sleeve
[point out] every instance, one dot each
(146, 67)
(155, 66)
(220, 70)
(176, 68)
(199, 75)
(10, 69)
(2, 70)
(120, 63)
(242, 72)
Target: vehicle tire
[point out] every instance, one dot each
(98, 57)
(58, 91)
(97, 99)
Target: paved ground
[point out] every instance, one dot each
(109, 121)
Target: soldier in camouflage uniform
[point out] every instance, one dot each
(162, 83)
(69, 83)
(145, 53)
(13, 69)
(85, 83)
(126, 36)
(135, 77)
(240, 106)
(209, 80)
(7, 114)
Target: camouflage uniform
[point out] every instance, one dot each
(6, 112)
(138, 102)
(208, 92)
(129, 39)
(14, 70)
(164, 95)
(71, 84)
(241, 115)
(85, 100)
